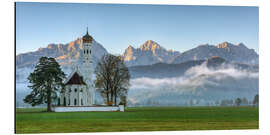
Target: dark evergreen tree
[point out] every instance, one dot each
(46, 81)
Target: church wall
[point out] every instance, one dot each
(88, 108)
(73, 97)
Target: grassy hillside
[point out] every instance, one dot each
(138, 119)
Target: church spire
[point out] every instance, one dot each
(87, 38)
(87, 29)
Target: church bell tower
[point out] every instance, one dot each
(87, 65)
(87, 46)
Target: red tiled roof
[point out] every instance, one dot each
(75, 79)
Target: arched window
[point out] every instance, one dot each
(90, 51)
(87, 51)
(75, 101)
(69, 90)
(84, 51)
(68, 101)
(75, 90)
(81, 102)
(65, 101)
(81, 90)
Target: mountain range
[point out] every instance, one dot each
(234, 53)
(147, 54)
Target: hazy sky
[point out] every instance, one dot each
(117, 26)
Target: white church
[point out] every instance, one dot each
(79, 92)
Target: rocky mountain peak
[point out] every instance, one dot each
(129, 51)
(130, 47)
(150, 45)
(228, 45)
(50, 46)
(242, 45)
(40, 49)
(148, 53)
(224, 45)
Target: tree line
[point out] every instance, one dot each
(241, 102)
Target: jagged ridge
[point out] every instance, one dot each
(148, 53)
(234, 53)
(65, 54)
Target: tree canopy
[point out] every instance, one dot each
(112, 79)
(45, 82)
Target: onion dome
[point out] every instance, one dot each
(87, 38)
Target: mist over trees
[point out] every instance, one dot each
(112, 79)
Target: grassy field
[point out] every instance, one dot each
(138, 119)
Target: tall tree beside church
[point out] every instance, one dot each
(112, 78)
(121, 77)
(45, 82)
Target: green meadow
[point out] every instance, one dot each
(29, 120)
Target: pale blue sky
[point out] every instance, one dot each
(117, 26)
